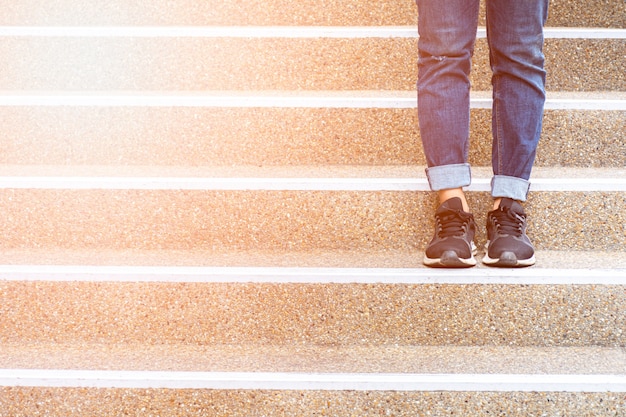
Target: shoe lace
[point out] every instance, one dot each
(509, 222)
(451, 223)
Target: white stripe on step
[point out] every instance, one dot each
(312, 381)
(178, 274)
(603, 184)
(274, 99)
(259, 32)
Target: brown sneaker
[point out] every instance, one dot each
(508, 245)
(452, 245)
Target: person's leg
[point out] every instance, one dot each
(447, 32)
(515, 35)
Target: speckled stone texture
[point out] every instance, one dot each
(253, 64)
(318, 314)
(601, 13)
(29, 402)
(83, 401)
(210, 136)
(324, 327)
(284, 220)
(416, 359)
(317, 258)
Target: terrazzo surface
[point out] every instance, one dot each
(317, 359)
(601, 13)
(285, 220)
(509, 327)
(80, 402)
(318, 258)
(254, 136)
(252, 64)
(319, 314)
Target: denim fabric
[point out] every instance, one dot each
(511, 187)
(443, 177)
(447, 30)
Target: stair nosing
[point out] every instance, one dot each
(311, 31)
(611, 101)
(312, 275)
(410, 178)
(313, 381)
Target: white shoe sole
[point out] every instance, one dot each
(449, 259)
(507, 260)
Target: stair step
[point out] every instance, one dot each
(325, 128)
(600, 13)
(244, 403)
(302, 314)
(382, 368)
(286, 178)
(257, 178)
(389, 267)
(329, 382)
(289, 32)
(193, 63)
(284, 128)
(281, 380)
(352, 208)
(595, 100)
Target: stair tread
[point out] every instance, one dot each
(190, 63)
(222, 97)
(275, 172)
(283, 213)
(70, 402)
(193, 12)
(287, 178)
(581, 131)
(317, 359)
(276, 31)
(51, 263)
(497, 312)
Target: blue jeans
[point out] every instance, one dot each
(447, 30)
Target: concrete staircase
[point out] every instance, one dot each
(219, 209)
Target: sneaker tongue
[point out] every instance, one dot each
(510, 217)
(451, 218)
(513, 206)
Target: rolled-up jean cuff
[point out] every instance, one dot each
(511, 187)
(444, 177)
